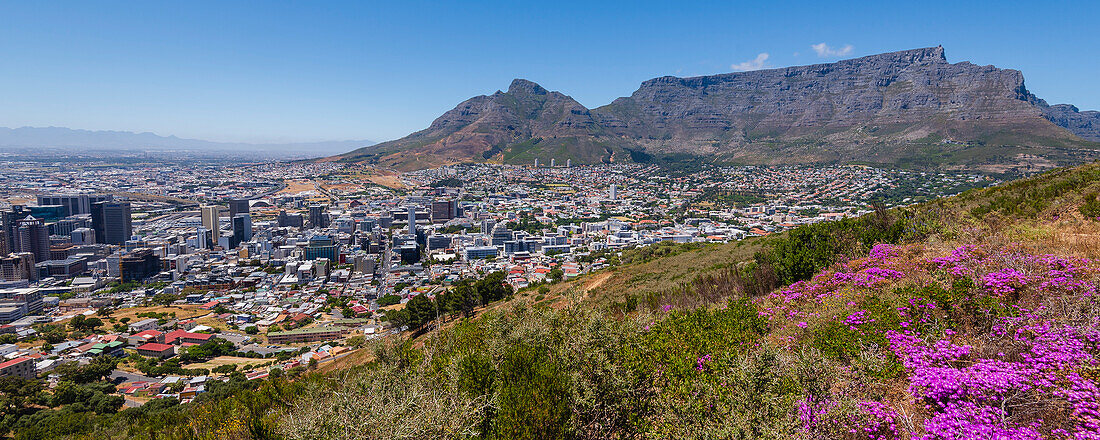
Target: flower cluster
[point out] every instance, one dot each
(700, 364)
(973, 396)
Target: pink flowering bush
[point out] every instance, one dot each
(1014, 373)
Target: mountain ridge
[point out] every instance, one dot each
(883, 108)
(63, 137)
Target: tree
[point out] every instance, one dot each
(492, 287)
(94, 371)
(8, 338)
(467, 297)
(357, 341)
(251, 330)
(420, 310)
(388, 300)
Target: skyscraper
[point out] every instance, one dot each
(210, 219)
(31, 235)
(203, 238)
(238, 206)
(613, 193)
(317, 218)
(112, 222)
(83, 236)
(139, 265)
(412, 220)
(75, 204)
(242, 229)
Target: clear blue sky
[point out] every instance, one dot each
(292, 71)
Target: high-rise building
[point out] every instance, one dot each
(501, 234)
(210, 219)
(31, 235)
(139, 265)
(613, 193)
(47, 213)
(67, 225)
(74, 204)
(237, 207)
(204, 239)
(284, 220)
(568, 163)
(412, 220)
(18, 266)
(242, 229)
(317, 217)
(112, 222)
(321, 246)
(443, 210)
(83, 236)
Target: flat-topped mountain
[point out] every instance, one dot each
(911, 106)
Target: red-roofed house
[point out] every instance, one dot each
(146, 337)
(181, 336)
(159, 351)
(19, 367)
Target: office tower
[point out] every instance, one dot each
(613, 193)
(48, 213)
(317, 218)
(66, 226)
(74, 204)
(112, 222)
(536, 162)
(242, 229)
(32, 236)
(210, 219)
(83, 236)
(238, 206)
(443, 210)
(285, 220)
(7, 226)
(138, 265)
(568, 163)
(203, 238)
(501, 234)
(551, 162)
(18, 266)
(412, 220)
(321, 246)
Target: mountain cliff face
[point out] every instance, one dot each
(1084, 124)
(903, 106)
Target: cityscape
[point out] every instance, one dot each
(285, 260)
(549, 220)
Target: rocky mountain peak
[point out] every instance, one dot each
(521, 86)
(879, 108)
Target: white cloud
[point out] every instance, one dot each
(757, 63)
(823, 50)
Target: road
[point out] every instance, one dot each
(119, 376)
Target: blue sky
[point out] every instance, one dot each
(297, 71)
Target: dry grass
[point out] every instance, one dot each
(227, 360)
(298, 186)
(661, 274)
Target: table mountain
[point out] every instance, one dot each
(911, 106)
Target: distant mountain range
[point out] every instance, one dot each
(59, 137)
(908, 107)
